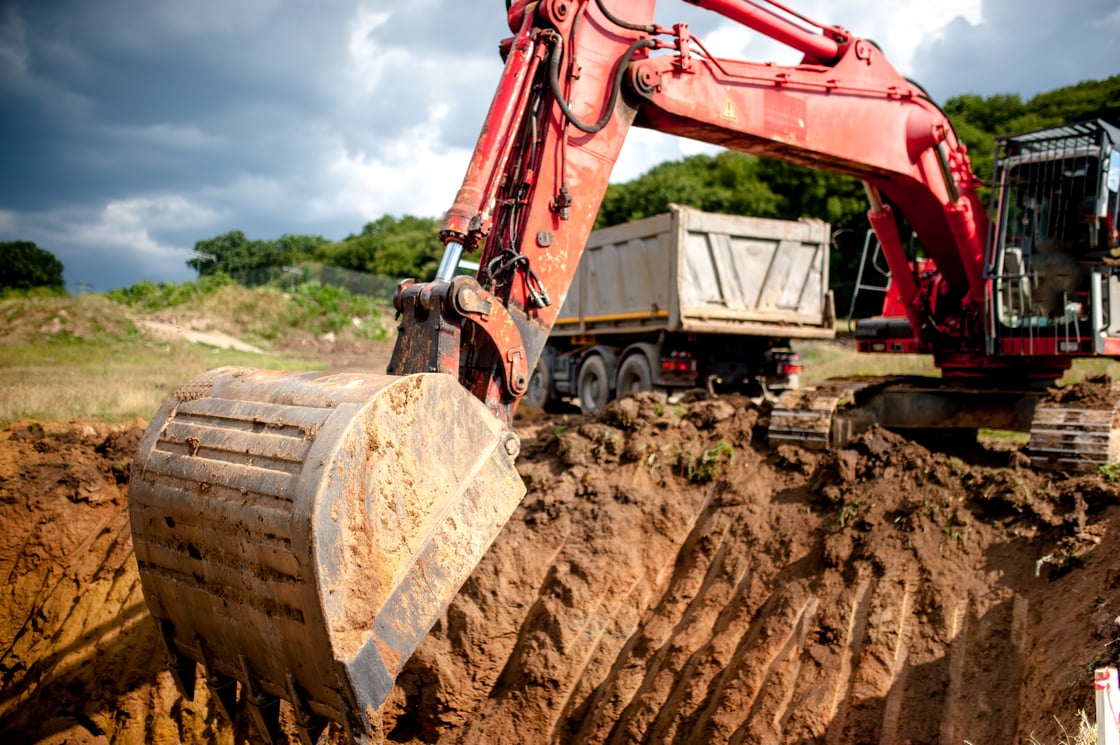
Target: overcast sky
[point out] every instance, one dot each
(133, 128)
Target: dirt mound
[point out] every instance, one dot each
(84, 317)
(668, 578)
(168, 331)
(1096, 392)
(80, 659)
(340, 351)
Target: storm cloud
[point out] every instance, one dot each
(133, 128)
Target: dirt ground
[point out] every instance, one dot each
(668, 578)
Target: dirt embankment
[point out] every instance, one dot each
(668, 578)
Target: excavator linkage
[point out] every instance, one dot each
(300, 533)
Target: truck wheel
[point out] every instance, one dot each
(634, 376)
(594, 385)
(540, 383)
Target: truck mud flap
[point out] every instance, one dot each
(300, 533)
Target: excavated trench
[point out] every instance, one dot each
(668, 578)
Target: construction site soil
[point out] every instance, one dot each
(669, 577)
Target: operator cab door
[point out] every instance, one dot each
(1054, 267)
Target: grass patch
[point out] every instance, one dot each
(149, 297)
(260, 315)
(1084, 732)
(1002, 436)
(711, 464)
(83, 357)
(1089, 368)
(824, 360)
(111, 380)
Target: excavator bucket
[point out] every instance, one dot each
(300, 533)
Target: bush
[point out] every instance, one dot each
(325, 308)
(148, 297)
(25, 266)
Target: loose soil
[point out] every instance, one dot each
(669, 577)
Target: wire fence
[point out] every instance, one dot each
(378, 288)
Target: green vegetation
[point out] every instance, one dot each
(389, 246)
(149, 297)
(106, 379)
(393, 247)
(84, 357)
(325, 309)
(24, 266)
(730, 182)
(849, 513)
(1109, 472)
(711, 464)
(264, 314)
(233, 253)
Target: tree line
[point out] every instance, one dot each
(729, 182)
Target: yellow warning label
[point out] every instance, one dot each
(728, 109)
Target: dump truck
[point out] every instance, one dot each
(688, 299)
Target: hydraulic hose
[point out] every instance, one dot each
(616, 85)
(621, 23)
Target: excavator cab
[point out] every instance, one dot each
(1055, 283)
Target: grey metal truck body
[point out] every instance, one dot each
(686, 299)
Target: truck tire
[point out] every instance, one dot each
(634, 376)
(539, 392)
(594, 384)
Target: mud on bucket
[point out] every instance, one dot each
(300, 533)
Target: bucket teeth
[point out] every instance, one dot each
(263, 708)
(183, 670)
(361, 730)
(265, 711)
(309, 735)
(224, 691)
(310, 727)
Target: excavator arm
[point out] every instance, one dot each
(578, 76)
(298, 534)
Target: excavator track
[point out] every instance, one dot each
(1077, 432)
(299, 533)
(1076, 427)
(808, 417)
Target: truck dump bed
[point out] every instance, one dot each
(698, 272)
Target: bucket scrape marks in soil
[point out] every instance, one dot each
(80, 659)
(666, 579)
(879, 593)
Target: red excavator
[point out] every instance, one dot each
(299, 533)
